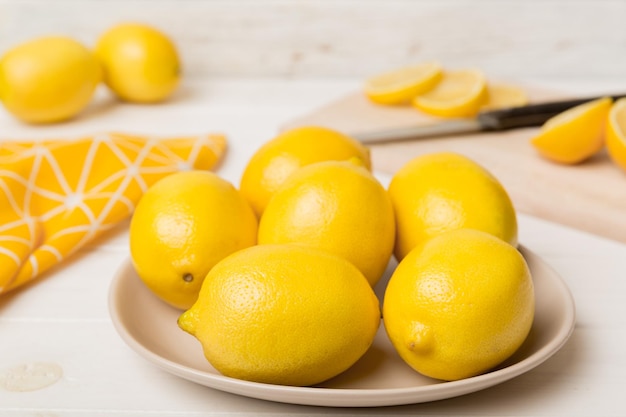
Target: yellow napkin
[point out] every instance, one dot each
(55, 196)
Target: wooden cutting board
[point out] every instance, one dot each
(590, 196)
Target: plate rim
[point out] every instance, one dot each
(352, 397)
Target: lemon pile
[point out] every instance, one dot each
(276, 279)
(443, 93)
(52, 79)
(579, 133)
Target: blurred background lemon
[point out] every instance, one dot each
(48, 79)
(141, 64)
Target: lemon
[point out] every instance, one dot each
(460, 93)
(279, 157)
(337, 206)
(48, 79)
(283, 314)
(574, 135)
(403, 84)
(141, 64)
(616, 133)
(459, 304)
(438, 192)
(183, 225)
(501, 96)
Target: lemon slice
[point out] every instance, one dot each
(501, 96)
(401, 85)
(574, 135)
(616, 133)
(459, 94)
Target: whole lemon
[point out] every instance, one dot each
(141, 64)
(338, 206)
(283, 314)
(278, 158)
(438, 192)
(459, 304)
(183, 225)
(48, 79)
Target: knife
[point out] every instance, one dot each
(486, 121)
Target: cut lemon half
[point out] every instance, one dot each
(459, 94)
(502, 96)
(401, 85)
(616, 133)
(574, 135)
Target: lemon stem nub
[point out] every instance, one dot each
(188, 277)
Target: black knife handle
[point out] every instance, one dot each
(530, 115)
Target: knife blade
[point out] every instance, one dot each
(531, 115)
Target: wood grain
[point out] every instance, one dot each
(351, 38)
(590, 196)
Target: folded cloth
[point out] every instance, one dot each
(55, 196)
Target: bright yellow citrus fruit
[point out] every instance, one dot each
(278, 158)
(459, 304)
(501, 96)
(403, 84)
(183, 225)
(459, 94)
(336, 206)
(438, 192)
(283, 314)
(616, 133)
(574, 135)
(141, 64)
(48, 80)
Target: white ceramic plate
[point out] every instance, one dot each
(380, 378)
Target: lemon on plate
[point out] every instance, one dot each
(459, 304)
(141, 64)
(574, 135)
(338, 206)
(49, 79)
(183, 225)
(279, 157)
(460, 93)
(400, 85)
(283, 314)
(616, 133)
(438, 192)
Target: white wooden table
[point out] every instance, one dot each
(63, 319)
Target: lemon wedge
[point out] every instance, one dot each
(616, 133)
(501, 96)
(459, 94)
(574, 135)
(401, 85)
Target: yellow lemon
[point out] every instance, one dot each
(283, 314)
(183, 225)
(278, 158)
(48, 80)
(501, 96)
(574, 135)
(403, 84)
(459, 304)
(616, 133)
(443, 191)
(141, 64)
(336, 206)
(459, 94)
